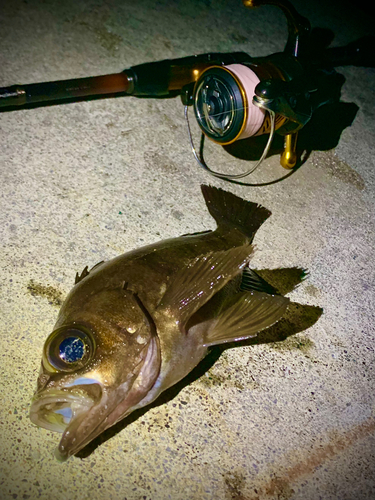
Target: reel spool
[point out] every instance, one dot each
(222, 103)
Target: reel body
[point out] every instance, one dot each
(256, 96)
(241, 100)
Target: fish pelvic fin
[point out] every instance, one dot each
(244, 316)
(229, 210)
(201, 279)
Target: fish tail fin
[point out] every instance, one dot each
(229, 210)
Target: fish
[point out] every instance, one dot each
(135, 325)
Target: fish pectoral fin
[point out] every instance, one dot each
(197, 282)
(246, 315)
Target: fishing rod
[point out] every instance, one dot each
(234, 96)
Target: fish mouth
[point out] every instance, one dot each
(66, 411)
(88, 422)
(57, 409)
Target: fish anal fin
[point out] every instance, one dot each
(197, 282)
(246, 314)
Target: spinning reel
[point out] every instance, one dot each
(234, 96)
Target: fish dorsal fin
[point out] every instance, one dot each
(80, 277)
(229, 210)
(246, 315)
(86, 272)
(252, 281)
(204, 276)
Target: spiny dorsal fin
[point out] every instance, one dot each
(247, 314)
(86, 272)
(230, 210)
(80, 277)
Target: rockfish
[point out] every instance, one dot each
(134, 326)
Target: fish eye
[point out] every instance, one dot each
(71, 349)
(68, 349)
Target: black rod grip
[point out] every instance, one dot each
(20, 95)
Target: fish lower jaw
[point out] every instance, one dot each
(56, 411)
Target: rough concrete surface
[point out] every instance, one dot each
(289, 416)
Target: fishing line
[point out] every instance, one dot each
(201, 162)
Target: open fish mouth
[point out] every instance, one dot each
(56, 411)
(65, 411)
(80, 414)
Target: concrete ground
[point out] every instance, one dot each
(287, 416)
